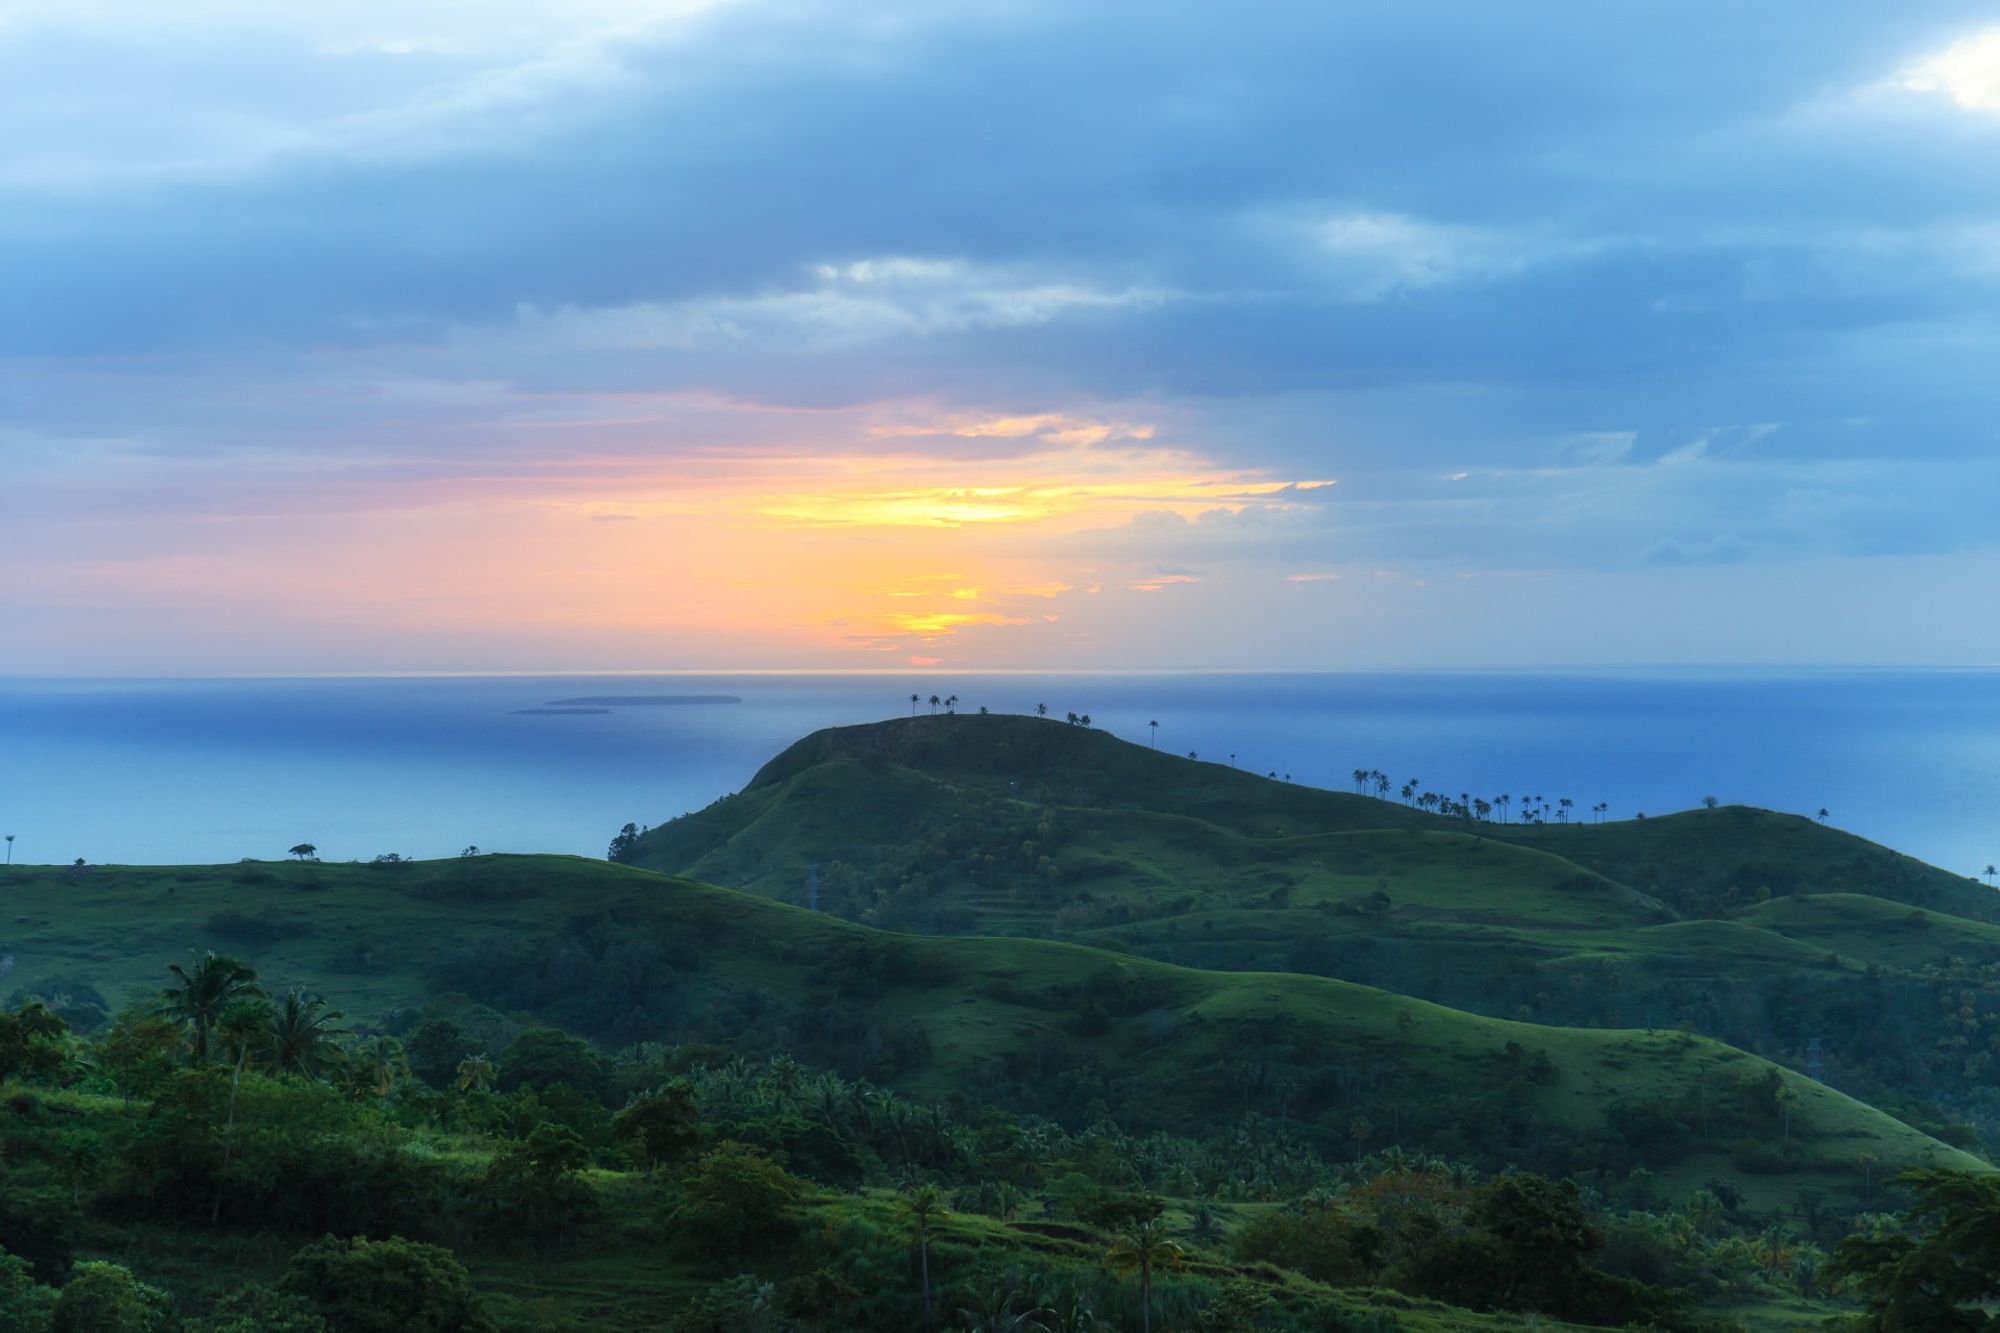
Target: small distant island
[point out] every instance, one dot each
(556, 712)
(643, 700)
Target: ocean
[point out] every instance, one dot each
(184, 771)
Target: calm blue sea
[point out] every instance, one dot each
(213, 770)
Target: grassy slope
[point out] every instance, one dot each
(1195, 861)
(368, 934)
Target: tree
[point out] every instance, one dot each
(435, 1047)
(304, 851)
(1362, 779)
(1823, 813)
(1990, 872)
(736, 1198)
(1709, 802)
(1154, 742)
(1041, 710)
(385, 1286)
(106, 1298)
(302, 1036)
(1941, 1269)
(203, 993)
(924, 1203)
(541, 1058)
(384, 1063)
(25, 1304)
(10, 849)
(914, 701)
(659, 1127)
(245, 1028)
(475, 1074)
(1142, 1249)
(935, 701)
(624, 844)
(31, 1041)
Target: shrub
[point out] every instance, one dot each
(385, 1286)
(105, 1298)
(737, 1198)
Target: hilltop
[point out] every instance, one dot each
(1758, 928)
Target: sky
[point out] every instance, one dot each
(626, 335)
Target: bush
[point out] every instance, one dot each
(1323, 1244)
(542, 1058)
(105, 1298)
(735, 1200)
(26, 1306)
(385, 1286)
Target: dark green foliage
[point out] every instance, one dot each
(1941, 1274)
(737, 1199)
(531, 1191)
(543, 1058)
(743, 1304)
(435, 1047)
(70, 997)
(303, 1158)
(386, 1286)
(26, 1306)
(1527, 1245)
(601, 974)
(31, 1042)
(658, 1128)
(106, 1298)
(1321, 1241)
(38, 1227)
(258, 1309)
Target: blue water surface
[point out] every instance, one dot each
(178, 771)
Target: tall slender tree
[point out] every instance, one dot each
(1154, 742)
(203, 992)
(1141, 1250)
(303, 1033)
(925, 1203)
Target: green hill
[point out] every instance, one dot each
(1022, 826)
(622, 954)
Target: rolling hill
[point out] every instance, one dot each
(1761, 929)
(623, 954)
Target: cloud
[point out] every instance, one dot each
(1644, 285)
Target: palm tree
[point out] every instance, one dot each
(1141, 1250)
(1990, 872)
(1084, 721)
(951, 704)
(1565, 803)
(935, 701)
(244, 1027)
(385, 1063)
(10, 849)
(924, 1203)
(216, 982)
(914, 701)
(1041, 710)
(1823, 813)
(302, 1035)
(1154, 742)
(1361, 777)
(475, 1074)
